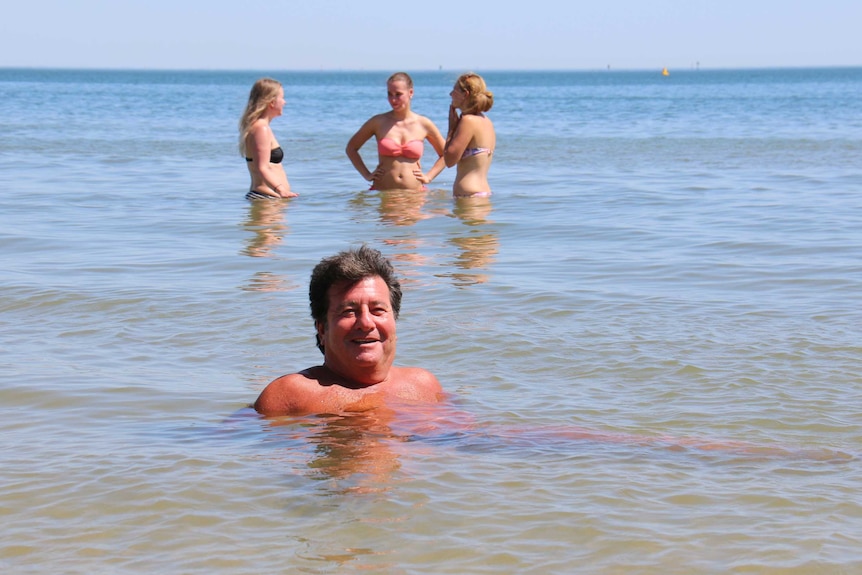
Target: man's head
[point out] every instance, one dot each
(346, 269)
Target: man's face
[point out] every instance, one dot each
(359, 332)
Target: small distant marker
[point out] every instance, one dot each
(664, 72)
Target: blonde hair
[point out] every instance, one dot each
(479, 98)
(262, 94)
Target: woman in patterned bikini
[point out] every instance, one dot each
(471, 139)
(400, 135)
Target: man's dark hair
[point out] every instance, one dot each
(349, 266)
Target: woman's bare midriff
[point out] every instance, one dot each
(398, 175)
(258, 185)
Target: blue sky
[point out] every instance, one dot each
(378, 35)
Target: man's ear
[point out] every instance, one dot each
(321, 329)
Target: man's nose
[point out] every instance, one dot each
(364, 319)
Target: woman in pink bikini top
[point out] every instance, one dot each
(400, 135)
(471, 138)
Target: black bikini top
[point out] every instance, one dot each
(276, 155)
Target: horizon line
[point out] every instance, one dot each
(691, 68)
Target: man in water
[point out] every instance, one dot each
(355, 299)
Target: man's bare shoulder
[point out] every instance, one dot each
(290, 394)
(420, 384)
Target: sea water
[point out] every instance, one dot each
(649, 336)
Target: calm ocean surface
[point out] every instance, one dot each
(651, 335)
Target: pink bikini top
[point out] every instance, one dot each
(412, 150)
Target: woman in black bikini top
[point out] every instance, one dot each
(257, 143)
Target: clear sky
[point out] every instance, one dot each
(390, 35)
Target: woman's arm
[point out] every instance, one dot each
(435, 138)
(358, 139)
(459, 138)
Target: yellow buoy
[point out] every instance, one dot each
(664, 72)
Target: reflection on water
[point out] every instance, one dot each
(399, 209)
(477, 243)
(363, 452)
(402, 208)
(354, 445)
(392, 207)
(476, 248)
(266, 223)
(355, 451)
(268, 281)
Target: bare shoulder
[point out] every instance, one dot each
(375, 120)
(370, 126)
(425, 121)
(417, 384)
(476, 121)
(291, 393)
(259, 127)
(480, 129)
(468, 124)
(429, 126)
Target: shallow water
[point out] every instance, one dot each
(650, 334)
